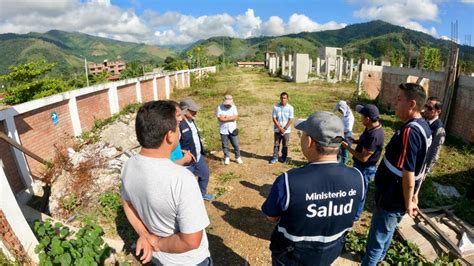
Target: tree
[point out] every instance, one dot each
(431, 58)
(134, 69)
(28, 81)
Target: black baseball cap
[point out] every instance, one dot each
(369, 110)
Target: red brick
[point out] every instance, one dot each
(9, 164)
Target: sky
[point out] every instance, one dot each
(172, 22)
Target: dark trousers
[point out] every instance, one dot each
(276, 146)
(225, 145)
(302, 253)
(200, 170)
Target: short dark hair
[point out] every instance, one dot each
(326, 150)
(438, 105)
(414, 92)
(154, 120)
(284, 94)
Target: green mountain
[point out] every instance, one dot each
(68, 49)
(374, 40)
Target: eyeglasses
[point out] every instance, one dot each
(429, 107)
(300, 133)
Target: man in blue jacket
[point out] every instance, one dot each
(314, 205)
(191, 141)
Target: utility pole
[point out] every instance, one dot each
(85, 67)
(223, 51)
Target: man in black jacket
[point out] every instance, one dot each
(190, 140)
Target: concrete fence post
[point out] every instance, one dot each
(19, 158)
(113, 99)
(15, 218)
(138, 89)
(76, 122)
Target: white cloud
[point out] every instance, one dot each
(274, 26)
(96, 17)
(103, 18)
(248, 24)
(405, 13)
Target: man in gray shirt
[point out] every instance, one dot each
(162, 200)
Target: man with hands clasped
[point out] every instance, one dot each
(162, 200)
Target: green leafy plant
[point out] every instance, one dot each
(220, 191)
(57, 247)
(69, 202)
(224, 178)
(111, 203)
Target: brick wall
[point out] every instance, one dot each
(160, 82)
(461, 118)
(9, 165)
(38, 133)
(126, 95)
(372, 83)
(93, 106)
(147, 90)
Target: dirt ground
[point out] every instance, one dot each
(239, 232)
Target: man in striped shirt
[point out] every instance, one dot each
(399, 174)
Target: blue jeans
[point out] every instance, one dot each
(302, 253)
(200, 170)
(343, 154)
(225, 145)
(368, 172)
(381, 232)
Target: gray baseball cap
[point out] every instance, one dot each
(189, 104)
(324, 127)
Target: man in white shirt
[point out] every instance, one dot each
(227, 116)
(283, 115)
(161, 199)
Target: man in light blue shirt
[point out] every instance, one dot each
(227, 115)
(283, 115)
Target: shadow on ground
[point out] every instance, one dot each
(222, 254)
(264, 190)
(246, 219)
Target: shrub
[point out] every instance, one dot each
(57, 247)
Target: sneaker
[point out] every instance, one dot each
(273, 160)
(239, 161)
(284, 160)
(227, 161)
(208, 197)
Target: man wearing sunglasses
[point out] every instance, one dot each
(431, 113)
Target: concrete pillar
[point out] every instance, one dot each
(283, 66)
(366, 61)
(310, 70)
(339, 74)
(74, 113)
(290, 63)
(301, 66)
(318, 62)
(266, 59)
(16, 219)
(351, 63)
(328, 76)
(277, 62)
